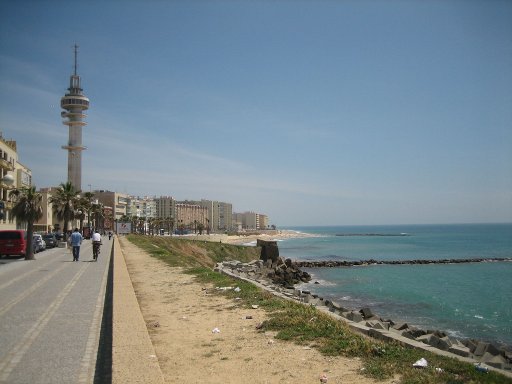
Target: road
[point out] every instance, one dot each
(51, 313)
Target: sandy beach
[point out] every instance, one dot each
(250, 237)
(203, 338)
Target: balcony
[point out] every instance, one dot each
(4, 164)
(68, 102)
(73, 114)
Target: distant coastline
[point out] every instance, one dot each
(250, 238)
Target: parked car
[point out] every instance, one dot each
(59, 236)
(50, 240)
(39, 243)
(13, 243)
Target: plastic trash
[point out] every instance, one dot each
(215, 330)
(224, 288)
(481, 368)
(421, 363)
(323, 378)
(237, 289)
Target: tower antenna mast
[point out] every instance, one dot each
(76, 58)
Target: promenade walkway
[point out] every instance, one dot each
(73, 322)
(51, 312)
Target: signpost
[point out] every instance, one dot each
(123, 228)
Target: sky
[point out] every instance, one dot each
(311, 112)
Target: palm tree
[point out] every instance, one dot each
(98, 213)
(28, 209)
(64, 203)
(87, 203)
(170, 223)
(141, 228)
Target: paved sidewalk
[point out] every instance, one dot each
(50, 316)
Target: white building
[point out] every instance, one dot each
(13, 174)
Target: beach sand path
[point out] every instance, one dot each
(181, 316)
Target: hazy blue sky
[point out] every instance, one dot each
(312, 112)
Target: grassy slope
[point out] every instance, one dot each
(306, 325)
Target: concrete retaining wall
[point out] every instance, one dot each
(133, 355)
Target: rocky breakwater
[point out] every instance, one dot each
(270, 268)
(279, 276)
(496, 356)
(353, 263)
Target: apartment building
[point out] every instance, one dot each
(148, 207)
(48, 222)
(250, 221)
(13, 174)
(117, 201)
(189, 215)
(165, 208)
(220, 215)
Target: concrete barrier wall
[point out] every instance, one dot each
(133, 355)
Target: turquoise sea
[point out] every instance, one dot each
(470, 300)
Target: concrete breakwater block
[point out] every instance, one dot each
(460, 350)
(366, 312)
(354, 316)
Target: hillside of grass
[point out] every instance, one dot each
(180, 252)
(305, 325)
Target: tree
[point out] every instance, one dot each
(87, 204)
(169, 221)
(140, 224)
(64, 202)
(27, 209)
(98, 214)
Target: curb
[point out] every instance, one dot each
(133, 356)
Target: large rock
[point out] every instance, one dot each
(401, 326)
(367, 313)
(459, 350)
(269, 250)
(354, 316)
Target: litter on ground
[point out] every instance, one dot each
(421, 363)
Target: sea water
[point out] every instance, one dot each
(469, 300)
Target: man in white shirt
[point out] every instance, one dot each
(96, 242)
(96, 237)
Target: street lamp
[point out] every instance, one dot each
(8, 180)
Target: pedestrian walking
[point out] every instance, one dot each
(76, 241)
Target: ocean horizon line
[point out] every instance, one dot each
(284, 227)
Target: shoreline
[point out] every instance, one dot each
(249, 237)
(476, 351)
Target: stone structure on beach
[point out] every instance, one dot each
(271, 266)
(269, 250)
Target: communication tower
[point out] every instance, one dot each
(74, 104)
